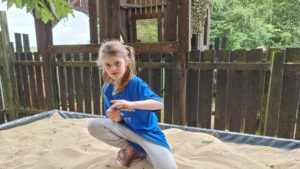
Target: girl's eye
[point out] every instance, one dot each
(117, 63)
(107, 65)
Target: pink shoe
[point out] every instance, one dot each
(127, 155)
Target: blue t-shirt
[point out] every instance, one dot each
(142, 122)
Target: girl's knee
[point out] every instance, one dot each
(93, 126)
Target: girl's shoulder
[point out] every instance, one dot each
(135, 80)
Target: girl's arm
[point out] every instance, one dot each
(149, 104)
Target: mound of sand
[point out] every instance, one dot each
(57, 143)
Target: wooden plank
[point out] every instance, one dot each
(205, 92)
(19, 82)
(79, 94)
(40, 82)
(144, 73)
(168, 94)
(170, 22)
(62, 83)
(156, 79)
(5, 67)
(157, 47)
(87, 86)
(18, 42)
(289, 96)
(274, 94)
(230, 66)
(221, 91)
(153, 65)
(70, 84)
(44, 38)
(267, 58)
(96, 87)
(92, 5)
(132, 27)
(192, 90)
(235, 104)
(109, 14)
(184, 17)
(26, 43)
(26, 90)
(254, 88)
(32, 81)
(160, 24)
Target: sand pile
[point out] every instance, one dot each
(57, 143)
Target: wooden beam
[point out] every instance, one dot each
(109, 13)
(5, 68)
(160, 47)
(43, 39)
(93, 21)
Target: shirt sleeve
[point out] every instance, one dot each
(145, 92)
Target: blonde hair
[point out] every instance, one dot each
(115, 48)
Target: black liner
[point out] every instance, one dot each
(226, 136)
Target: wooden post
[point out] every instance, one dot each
(4, 68)
(170, 34)
(184, 29)
(109, 14)
(44, 39)
(290, 96)
(93, 21)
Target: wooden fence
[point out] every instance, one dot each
(241, 91)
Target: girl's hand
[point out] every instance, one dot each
(114, 114)
(123, 105)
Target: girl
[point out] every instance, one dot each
(130, 106)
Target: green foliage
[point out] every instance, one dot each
(252, 23)
(147, 30)
(46, 10)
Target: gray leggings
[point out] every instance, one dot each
(116, 135)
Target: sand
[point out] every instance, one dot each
(57, 143)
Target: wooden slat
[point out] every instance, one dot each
(79, 93)
(205, 93)
(144, 72)
(168, 94)
(289, 97)
(156, 79)
(159, 47)
(19, 82)
(70, 84)
(62, 83)
(87, 86)
(93, 21)
(18, 42)
(236, 91)
(221, 91)
(28, 62)
(39, 80)
(170, 22)
(26, 43)
(32, 82)
(26, 90)
(254, 90)
(96, 87)
(274, 95)
(192, 90)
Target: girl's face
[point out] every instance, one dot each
(115, 67)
